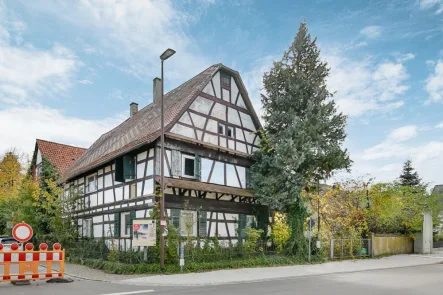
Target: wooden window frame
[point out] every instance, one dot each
(187, 156)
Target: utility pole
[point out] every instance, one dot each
(167, 54)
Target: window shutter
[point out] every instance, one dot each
(203, 216)
(248, 177)
(119, 170)
(116, 225)
(128, 167)
(242, 225)
(175, 216)
(176, 163)
(197, 167)
(131, 221)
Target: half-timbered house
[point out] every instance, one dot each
(210, 135)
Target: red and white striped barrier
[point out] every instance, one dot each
(24, 265)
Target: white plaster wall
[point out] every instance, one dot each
(126, 192)
(139, 189)
(109, 196)
(218, 175)
(97, 219)
(39, 157)
(185, 119)
(118, 194)
(201, 105)
(100, 198)
(241, 147)
(205, 169)
(107, 169)
(216, 82)
(150, 168)
(141, 170)
(241, 102)
(108, 180)
(208, 89)
(249, 137)
(234, 90)
(223, 142)
(199, 134)
(98, 231)
(219, 111)
(233, 117)
(226, 95)
(183, 130)
(242, 174)
(231, 144)
(151, 153)
(142, 156)
(198, 120)
(239, 134)
(212, 126)
(93, 199)
(231, 176)
(149, 187)
(247, 121)
(210, 139)
(100, 172)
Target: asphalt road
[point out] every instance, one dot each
(405, 281)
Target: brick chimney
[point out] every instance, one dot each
(133, 108)
(157, 90)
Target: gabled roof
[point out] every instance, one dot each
(144, 126)
(61, 156)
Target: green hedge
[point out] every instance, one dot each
(145, 268)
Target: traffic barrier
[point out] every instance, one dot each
(23, 265)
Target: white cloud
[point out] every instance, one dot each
(364, 87)
(25, 124)
(428, 4)
(27, 71)
(434, 83)
(137, 31)
(85, 82)
(405, 57)
(371, 32)
(403, 133)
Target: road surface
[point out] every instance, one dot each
(405, 281)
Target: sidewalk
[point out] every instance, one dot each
(263, 274)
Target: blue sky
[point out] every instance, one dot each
(70, 69)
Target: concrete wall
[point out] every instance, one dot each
(391, 244)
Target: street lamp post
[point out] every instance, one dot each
(165, 55)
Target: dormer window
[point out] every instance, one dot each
(226, 81)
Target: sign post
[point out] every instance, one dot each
(311, 225)
(182, 257)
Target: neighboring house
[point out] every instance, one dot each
(60, 156)
(210, 129)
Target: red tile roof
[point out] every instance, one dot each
(61, 156)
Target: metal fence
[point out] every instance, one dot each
(347, 248)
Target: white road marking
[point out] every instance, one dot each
(133, 292)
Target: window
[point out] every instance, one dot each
(187, 222)
(188, 166)
(91, 185)
(221, 129)
(226, 80)
(230, 132)
(125, 225)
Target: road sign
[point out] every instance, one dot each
(163, 222)
(22, 232)
(311, 222)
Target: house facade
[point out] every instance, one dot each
(210, 135)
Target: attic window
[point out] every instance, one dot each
(226, 81)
